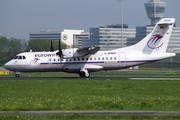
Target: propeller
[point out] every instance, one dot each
(60, 51)
(52, 49)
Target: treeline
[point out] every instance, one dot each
(9, 48)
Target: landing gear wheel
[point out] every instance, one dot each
(17, 75)
(83, 74)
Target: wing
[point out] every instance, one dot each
(89, 50)
(80, 52)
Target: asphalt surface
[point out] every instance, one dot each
(91, 113)
(90, 78)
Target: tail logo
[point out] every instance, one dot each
(153, 43)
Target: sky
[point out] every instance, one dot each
(20, 17)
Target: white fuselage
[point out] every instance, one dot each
(102, 60)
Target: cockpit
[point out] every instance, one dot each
(19, 57)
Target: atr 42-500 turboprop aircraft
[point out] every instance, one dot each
(85, 60)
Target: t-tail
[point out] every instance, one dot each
(157, 40)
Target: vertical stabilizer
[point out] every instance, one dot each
(159, 37)
(157, 40)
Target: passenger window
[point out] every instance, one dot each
(90, 58)
(20, 57)
(58, 59)
(78, 59)
(86, 58)
(106, 58)
(82, 59)
(114, 58)
(54, 59)
(74, 59)
(110, 58)
(99, 58)
(94, 58)
(24, 57)
(102, 58)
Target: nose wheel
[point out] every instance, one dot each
(17, 74)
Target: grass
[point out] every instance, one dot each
(81, 117)
(89, 95)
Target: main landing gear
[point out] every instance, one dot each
(84, 74)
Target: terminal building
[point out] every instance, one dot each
(70, 37)
(109, 37)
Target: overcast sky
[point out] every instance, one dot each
(19, 17)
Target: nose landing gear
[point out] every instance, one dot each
(17, 74)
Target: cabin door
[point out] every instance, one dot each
(122, 61)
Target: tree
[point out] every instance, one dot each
(3, 49)
(16, 46)
(38, 45)
(10, 47)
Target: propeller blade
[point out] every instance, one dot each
(52, 49)
(60, 51)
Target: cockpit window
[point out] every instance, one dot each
(20, 57)
(16, 57)
(24, 57)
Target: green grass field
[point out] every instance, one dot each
(158, 95)
(89, 95)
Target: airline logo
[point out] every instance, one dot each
(154, 42)
(34, 61)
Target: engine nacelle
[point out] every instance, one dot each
(72, 52)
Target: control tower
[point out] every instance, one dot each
(155, 10)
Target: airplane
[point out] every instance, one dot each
(83, 61)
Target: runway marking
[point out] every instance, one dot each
(91, 113)
(90, 78)
(154, 78)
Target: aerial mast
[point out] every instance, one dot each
(121, 21)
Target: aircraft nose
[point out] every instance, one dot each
(7, 66)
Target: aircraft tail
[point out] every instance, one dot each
(157, 40)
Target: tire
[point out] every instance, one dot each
(83, 74)
(16, 75)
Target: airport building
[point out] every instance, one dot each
(70, 37)
(109, 37)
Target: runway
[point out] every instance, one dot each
(91, 113)
(90, 78)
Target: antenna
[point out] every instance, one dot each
(121, 21)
